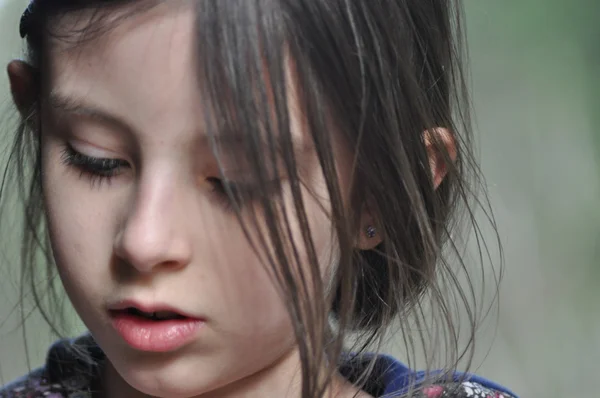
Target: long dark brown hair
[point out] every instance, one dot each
(379, 73)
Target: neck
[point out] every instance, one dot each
(281, 379)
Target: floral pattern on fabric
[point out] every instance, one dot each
(68, 375)
(460, 390)
(41, 388)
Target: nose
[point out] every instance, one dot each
(154, 234)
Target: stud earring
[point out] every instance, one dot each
(371, 232)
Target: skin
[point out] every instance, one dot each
(157, 232)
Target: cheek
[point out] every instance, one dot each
(79, 224)
(247, 292)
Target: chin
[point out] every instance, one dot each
(164, 378)
(161, 386)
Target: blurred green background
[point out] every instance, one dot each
(535, 78)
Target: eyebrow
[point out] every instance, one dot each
(68, 105)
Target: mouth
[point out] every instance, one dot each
(154, 316)
(154, 328)
(154, 312)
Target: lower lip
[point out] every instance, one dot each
(155, 336)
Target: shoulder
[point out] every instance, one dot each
(70, 370)
(467, 389)
(35, 384)
(395, 379)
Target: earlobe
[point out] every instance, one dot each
(370, 235)
(441, 149)
(22, 85)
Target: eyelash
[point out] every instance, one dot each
(98, 170)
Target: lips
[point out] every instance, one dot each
(160, 311)
(154, 328)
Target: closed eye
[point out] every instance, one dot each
(240, 192)
(95, 168)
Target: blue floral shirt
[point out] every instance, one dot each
(72, 370)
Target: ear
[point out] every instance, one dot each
(435, 141)
(370, 234)
(22, 86)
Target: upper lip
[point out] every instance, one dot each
(148, 308)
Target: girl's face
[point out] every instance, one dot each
(148, 226)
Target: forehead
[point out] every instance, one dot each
(145, 64)
(144, 71)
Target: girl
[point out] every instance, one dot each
(232, 191)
